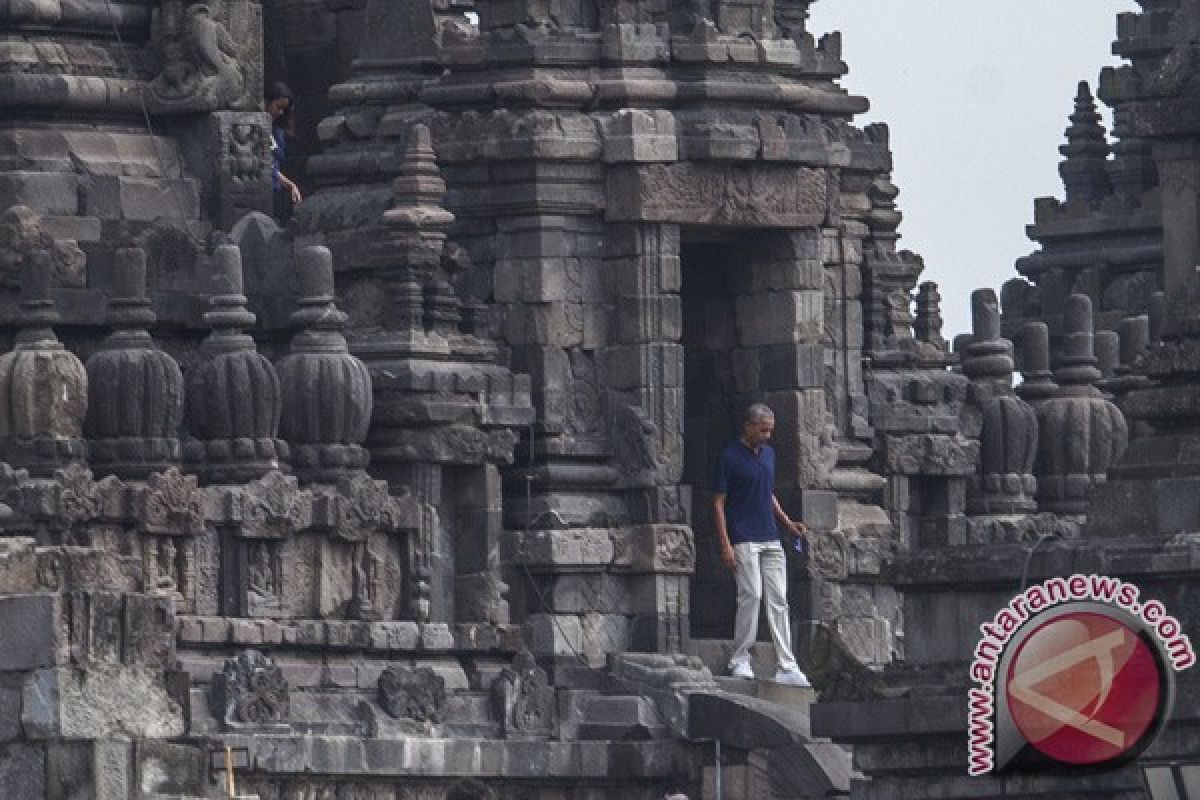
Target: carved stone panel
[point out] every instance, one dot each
(250, 692)
(523, 698)
(207, 56)
(416, 697)
(716, 194)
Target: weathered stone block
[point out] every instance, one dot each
(10, 714)
(818, 509)
(559, 324)
(44, 192)
(23, 771)
(580, 594)
(793, 366)
(546, 280)
(632, 43)
(551, 550)
(640, 136)
(401, 635)
(18, 566)
(436, 636)
(636, 366)
(33, 632)
(717, 194)
(649, 318)
(149, 631)
(167, 769)
(99, 770)
(786, 274)
(657, 548)
(779, 317)
(101, 702)
(142, 199)
(555, 634)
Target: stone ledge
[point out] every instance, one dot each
(315, 634)
(479, 758)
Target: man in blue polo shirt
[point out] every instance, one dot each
(746, 510)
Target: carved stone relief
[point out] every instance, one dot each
(250, 692)
(198, 59)
(416, 697)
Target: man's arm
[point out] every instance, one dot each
(728, 556)
(794, 527)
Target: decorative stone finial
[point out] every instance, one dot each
(326, 391)
(1135, 338)
(1008, 430)
(234, 401)
(1085, 168)
(43, 386)
(928, 324)
(1077, 354)
(1035, 364)
(136, 391)
(1107, 345)
(1082, 433)
(987, 357)
(416, 224)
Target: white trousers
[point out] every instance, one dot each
(762, 569)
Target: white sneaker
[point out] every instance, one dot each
(741, 669)
(792, 677)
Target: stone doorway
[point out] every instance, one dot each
(711, 403)
(753, 317)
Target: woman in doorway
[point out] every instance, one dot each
(278, 103)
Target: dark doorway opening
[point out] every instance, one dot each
(709, 265)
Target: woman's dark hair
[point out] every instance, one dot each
(275, 91)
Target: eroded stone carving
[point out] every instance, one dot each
(705, 193)
(199, 68)
(250, 692)
(523, 698)
(416, 696)
(170, 503)
(43, 386)
(22, 235)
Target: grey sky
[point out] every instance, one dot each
(976, 94)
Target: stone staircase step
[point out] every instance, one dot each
(766, 689)
(715, 654)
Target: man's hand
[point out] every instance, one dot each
(728, 557)
(797, 529)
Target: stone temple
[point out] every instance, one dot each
(408, 499)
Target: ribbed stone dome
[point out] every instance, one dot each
(233, 402)
(43, 386)
(1082, 434)
(326, 391)
(135, 390)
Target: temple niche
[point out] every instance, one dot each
(409, 498)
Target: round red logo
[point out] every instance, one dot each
(1084, 688)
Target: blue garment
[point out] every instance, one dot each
(277, 145)
(747, 479)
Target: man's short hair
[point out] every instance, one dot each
(758, 412)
